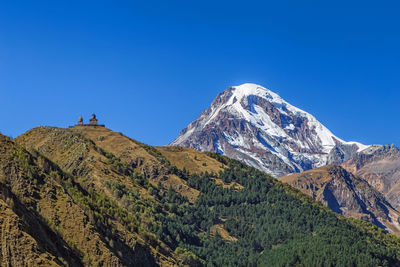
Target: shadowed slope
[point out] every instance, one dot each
(380, 167)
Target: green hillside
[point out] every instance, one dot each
(105, 199)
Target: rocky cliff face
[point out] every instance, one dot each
(380, 167)
(346, 194)
(253, 124)
(341, 153)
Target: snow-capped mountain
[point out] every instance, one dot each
(255, 125)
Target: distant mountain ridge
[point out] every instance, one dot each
(380, 167)
(255, 125)
(346, 194)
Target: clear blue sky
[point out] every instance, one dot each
(148, 68)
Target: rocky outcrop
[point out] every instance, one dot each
(341, 153)
(346, 194)
(380, 167)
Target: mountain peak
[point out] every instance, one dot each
(255, 125)
(250, 87)
(247, 89)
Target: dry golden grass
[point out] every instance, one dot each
(92, 169)
(315, 178)
(18, 247)
(231, 185)
(121, 146)
(62, 146)
(195, 162)
(190, 159)
(320, 175)
(179, 186)
(66, 148)
(70, 220)
(130, 151)
(218, 229)
(66, 218)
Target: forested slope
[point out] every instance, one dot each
(113, 200)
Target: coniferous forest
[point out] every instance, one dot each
(272, 225)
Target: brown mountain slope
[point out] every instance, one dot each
(97, 154)
(196, 162)
(36, 191)
(80, 216)
(380, 167)
(110, 201)
(346, 194)
(18, 247)
(104, 161)
(142, 158)
(192, 160)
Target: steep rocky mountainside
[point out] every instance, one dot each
(346, 194)
(88, 196)
(49, 220)
(18, 246)
(256, 126)
(380, 167)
